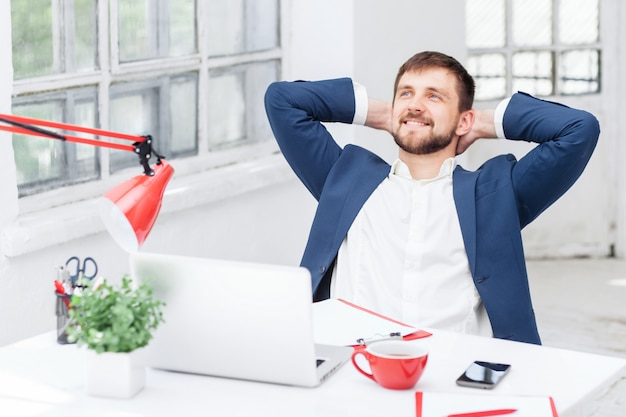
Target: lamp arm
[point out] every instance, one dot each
(142, 145)
(33, 129)
(11, 118)
(73, 139)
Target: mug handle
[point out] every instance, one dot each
(357, 352)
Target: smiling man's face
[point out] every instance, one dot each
(426, 112)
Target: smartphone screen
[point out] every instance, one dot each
(484, 375)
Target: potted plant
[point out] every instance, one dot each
(115, 323)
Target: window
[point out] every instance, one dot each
(190, 73)
(543, 47)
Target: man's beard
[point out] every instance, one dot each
(425, 146)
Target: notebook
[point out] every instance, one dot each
(235, 319)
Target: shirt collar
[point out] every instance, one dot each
(400, 169)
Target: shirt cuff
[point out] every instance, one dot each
(360, 104)
(498, 118)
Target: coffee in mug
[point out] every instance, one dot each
(394, 364)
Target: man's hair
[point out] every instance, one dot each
(430, 59)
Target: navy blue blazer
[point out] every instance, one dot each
(493, 203)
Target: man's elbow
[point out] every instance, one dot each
(589, 127)
(273, 94)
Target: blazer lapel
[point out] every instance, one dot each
(464, 191)
(340, 202)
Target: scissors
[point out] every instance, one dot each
(87, 269)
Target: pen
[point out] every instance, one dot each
(61, 291)
(485, 413)
(379, 337)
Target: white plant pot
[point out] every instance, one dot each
(116, 375)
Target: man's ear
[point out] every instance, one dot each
(466, 121)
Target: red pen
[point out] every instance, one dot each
(486, 413)
(61, 291)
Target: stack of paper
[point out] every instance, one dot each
(340, 323)
(437, 404)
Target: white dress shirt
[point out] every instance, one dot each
(404, 256)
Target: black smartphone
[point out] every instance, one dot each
(485, 375)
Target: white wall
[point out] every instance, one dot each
(613, 125)
(8, 209)
(366, 39)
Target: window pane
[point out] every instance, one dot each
(135, 113)
(578, 21)
(183, 112)
(35, 43)
(152, 29)
(225, 27)
(532, 22)
(38, 159)
(489, 72)
(138, 27)
(580, 72)
(237, 26)
(236, 109)
(182, 15)
(85, 35)
(259, 77)
(49, 163)
(261, 25)
(86, 155)
(226, 109)
(485, 20)
(532, 73)
(52, 37)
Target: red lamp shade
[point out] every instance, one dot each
(130, 209)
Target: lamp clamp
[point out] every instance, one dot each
(144, 151)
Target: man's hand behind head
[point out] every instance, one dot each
(483, 127)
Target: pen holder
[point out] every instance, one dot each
(62, 311)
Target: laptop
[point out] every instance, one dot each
(235, 319)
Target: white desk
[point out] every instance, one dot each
(41, 378)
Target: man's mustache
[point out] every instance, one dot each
(417, 117)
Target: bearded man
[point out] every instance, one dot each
(424, 241)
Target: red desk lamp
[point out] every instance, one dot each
(130, 209)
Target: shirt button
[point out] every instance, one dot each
(322, 269)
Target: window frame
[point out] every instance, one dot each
(110, 71)
(556, 49)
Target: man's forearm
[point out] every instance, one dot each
(378, 115)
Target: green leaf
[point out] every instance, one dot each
(114, 319)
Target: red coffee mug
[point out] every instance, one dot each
(395, 364)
